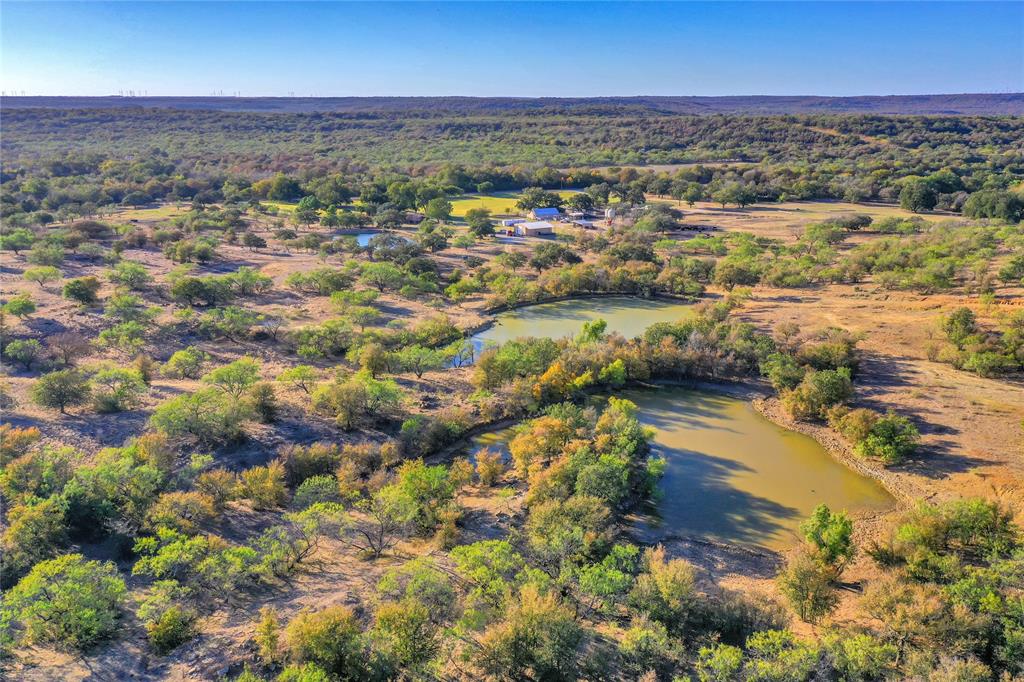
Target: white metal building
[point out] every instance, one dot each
(534, 229)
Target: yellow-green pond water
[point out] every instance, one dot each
(624, 314)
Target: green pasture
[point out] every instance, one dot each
(162, 212)
(499, 203)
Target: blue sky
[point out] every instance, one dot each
(524, 49)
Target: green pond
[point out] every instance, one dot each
(732, 475)
(626, 315)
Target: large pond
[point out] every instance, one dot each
(626, 315)
(732, 475)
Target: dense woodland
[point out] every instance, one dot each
(828, 155)
(280, 420)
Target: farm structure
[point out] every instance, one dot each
(533, 229)
(544, 213)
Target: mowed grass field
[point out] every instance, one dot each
(162, 212)
(281, 206)
(499, 203)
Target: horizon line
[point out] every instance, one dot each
(524, 97)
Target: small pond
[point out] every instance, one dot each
(732, 475)
(363, 238)
(627, 315)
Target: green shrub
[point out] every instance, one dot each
(116, 389)
(264, 485)
(987, 364)
(646, 646)
(853, 424)
(490, 467)
(234, 378)
(360, 397)
(42, 275)
(268, 635)
(303, 377)
(68, 602)
(82, 289)
(16, 240)
(419, 581)
(182, 510)
(817, 392)
(219, 485)
(263, 402)
(25, 351)
(130, 274)
(128, 337)
(211, 416)
(666, 590)
(719, 663)
(317, 459)
(230, 322)
(778, 656)
(21, 306)
(316, 489)
(302, 673)
(61, 389)
(539, 638)
(331, 639)
(405, 635)
(783, 371)
(831, 533)
(807, 582)
(186, 363)
(51, 255)
(174, 627)
(861, 657)
(428, 489)
(959, 326)
(35, 532)
(891, 439)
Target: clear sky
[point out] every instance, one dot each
(522, 49)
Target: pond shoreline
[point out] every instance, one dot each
(770, 407)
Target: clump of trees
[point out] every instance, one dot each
(985, 352)
(69, 602)
(889, 438)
